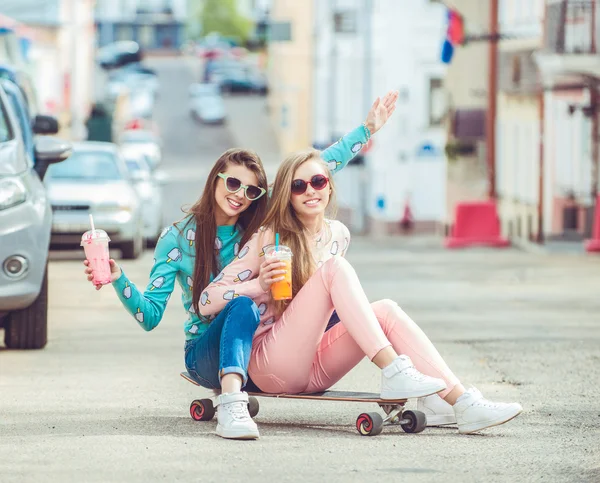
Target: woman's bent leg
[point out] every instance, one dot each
(226, 345)
(222, 352)
(288, 358)
(282, 361)
(338, 352)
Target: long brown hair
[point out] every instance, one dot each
(203, 211)
(282, 218)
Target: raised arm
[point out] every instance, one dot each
(240, 277)
(148, 307)
(338, 155)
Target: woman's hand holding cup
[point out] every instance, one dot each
(271, 272)
(115, 272)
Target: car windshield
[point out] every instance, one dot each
(5, 131)
(87, 165)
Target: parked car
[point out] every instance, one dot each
(148, 189)
(119, 54)
(25, 218)
(24, 81)
(236, 76)
(145, 140)
(206, 103)
(95, 180)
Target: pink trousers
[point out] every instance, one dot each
(297, 355)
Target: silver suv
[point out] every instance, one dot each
(25, 218)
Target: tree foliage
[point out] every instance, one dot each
(222, 16)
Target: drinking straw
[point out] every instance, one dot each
(276, 242)
(93, 228)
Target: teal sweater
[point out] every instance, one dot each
(175, 256)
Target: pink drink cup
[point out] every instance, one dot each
(95, 246)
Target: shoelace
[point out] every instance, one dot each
(239, 410)
(481, 401)
(414, 374)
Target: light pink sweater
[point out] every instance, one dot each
(240, 277)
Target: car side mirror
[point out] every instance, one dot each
(48, 151)
(44, 125)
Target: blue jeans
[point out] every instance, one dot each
(225, 347)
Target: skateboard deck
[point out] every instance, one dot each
(367, 424)
(369, 397)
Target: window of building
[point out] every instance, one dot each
(145, 35)
(437, 104)
(124, 32)
(345, 22)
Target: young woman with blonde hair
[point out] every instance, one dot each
(292, 352)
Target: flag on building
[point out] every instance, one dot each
(455, 35)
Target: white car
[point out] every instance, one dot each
(146, 141)
(148, 189)
(206, 103)
(95, 180)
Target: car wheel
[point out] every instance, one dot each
(133, 249)
(28, 328)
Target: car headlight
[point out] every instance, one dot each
(12, 192)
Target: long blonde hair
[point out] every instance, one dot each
(282, 218)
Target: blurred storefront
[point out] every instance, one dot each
(60, 56)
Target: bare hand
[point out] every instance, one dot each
(115, 272)
(381, 111)
(270, 272)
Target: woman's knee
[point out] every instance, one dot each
(383, 309)
(337, 265)
(244, 308)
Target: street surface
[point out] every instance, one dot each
(104, 400)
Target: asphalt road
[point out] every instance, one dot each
(104, 400)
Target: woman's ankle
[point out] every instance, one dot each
(456, 392)
(231, 383)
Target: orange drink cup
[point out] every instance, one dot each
(281, 290)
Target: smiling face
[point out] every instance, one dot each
(229, 206)
(312, 203)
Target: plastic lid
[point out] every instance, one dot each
(282, 251)
(100, 234)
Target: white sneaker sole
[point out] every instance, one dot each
(478, 426)
(441, 420)
(394, 395)
(237, 433)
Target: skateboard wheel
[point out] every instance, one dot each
(202, 410)
(253, 406)
(369, 424)
(417, 421)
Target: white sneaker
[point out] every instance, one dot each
(474, 413)
(400, 380)
(233, 419)
(438, 411)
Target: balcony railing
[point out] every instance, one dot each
(572, 26)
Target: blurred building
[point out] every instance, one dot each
(466, 87)
(329, 60)
(291, 59)
(60, 56)
(153, 24)
(518, 118)
(569, 67)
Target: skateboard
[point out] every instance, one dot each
(367, 424)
